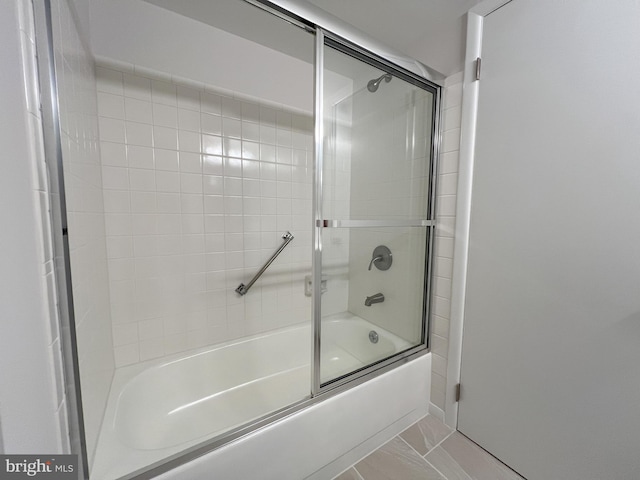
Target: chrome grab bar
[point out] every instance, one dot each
(242, 288)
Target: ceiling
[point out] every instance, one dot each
(432, 31)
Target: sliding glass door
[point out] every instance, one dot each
(375, 220)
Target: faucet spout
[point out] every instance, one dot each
(377, 298)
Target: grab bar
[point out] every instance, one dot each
(242, 288)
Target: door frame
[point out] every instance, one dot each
(470, 95)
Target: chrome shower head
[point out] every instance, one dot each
(373, 85)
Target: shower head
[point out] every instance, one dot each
(373, 85)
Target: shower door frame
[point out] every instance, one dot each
(325, 28)
(326, 39)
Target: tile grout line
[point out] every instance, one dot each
(439, 472)
(500, 462)
(357, 472)
(432, 449)
(375, 450)
(423, 457)
(440, 442)
(370, 453)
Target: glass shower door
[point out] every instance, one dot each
(376, 206)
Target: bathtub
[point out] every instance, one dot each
(159, 408)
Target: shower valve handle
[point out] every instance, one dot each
(381, 257)
(375, 259)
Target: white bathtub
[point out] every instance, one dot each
(159, 408)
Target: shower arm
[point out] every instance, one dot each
(242, 289)
(373, 84)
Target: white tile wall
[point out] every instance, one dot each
(84, 181)
(446, 204)
(336, 204)
(199, 187)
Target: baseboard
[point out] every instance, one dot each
(436, 412)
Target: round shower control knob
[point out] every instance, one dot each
(381, 258)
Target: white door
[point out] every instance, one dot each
(551, 344)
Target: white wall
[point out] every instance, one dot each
(199, 188)
(148, 36)
(32, 404)
(336, 183)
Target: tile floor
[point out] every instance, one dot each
(429, 450)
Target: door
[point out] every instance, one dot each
(551, 346)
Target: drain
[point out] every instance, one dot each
(373, 336)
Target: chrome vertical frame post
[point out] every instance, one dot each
(317, 209)
(50, 109)
(432, 209)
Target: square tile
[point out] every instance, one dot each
(138, 110)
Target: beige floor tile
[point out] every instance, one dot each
(396, 460)
(458, 455)
(426, 434)
(440, 459)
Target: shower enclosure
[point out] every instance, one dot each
(374, 197)
(244, 218)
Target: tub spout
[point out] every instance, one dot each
(377, 298)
